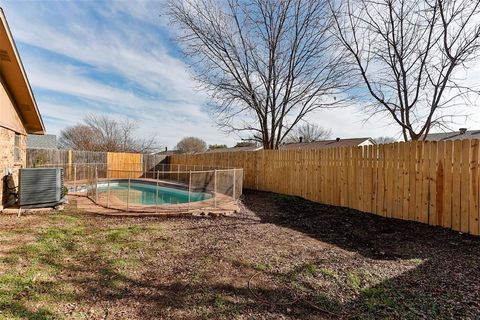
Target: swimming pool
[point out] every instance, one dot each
(147, 193)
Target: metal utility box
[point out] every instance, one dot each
(40, 187)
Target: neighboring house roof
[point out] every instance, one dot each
(353, 142)
(234, 149)
(167, 153)
(454, 135)
(47, 141)
(15, 79)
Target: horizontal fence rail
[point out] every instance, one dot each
(436, 183)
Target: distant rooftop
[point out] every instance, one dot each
(350, 142)
(235, 149)
(454, 135)
(45, 141)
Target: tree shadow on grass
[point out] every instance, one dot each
(106, 293)
(444, 284)
(83, 275)
(74, 271)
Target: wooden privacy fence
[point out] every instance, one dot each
(40, 157)
(120, 165)
(114, 161)
(430, 182)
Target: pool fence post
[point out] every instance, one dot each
(178, 172)
(189, 187)
(128, 193)
(215, 188)
(234, 180)
(75, 177)
(156, 197)
(96, 184)
(108, 188)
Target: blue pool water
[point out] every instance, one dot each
(146, 194)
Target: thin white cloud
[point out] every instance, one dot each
(157, 88)
(127, 41)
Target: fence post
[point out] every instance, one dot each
(189, 187)
(108, 188)
(128, 193)
(215, 188)
(156, 196)
(178, 172)
(96, 184)
(70, 163)
(75, 177)
(234, 181)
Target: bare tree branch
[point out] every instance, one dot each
(308, 132)
(101, 133)
(191, 145)
(409, 54)
(267, 64)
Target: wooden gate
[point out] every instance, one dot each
(124, 165)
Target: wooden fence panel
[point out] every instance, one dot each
(440, 183)
(412, 180)
(465, 186)
(124, 165)
(448, 185)
(474, 227)
(456, 192)
(430, 182)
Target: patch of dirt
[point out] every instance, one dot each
(278, 258)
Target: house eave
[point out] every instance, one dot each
(15, 79)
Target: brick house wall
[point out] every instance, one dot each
(19, 115)
(8, 163)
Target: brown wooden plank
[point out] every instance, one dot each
(474, 226)
(425, 181)
(391, 176)
(432, 210)
(465, 187)
(398, 177)
(367, 177)
(440, 178)
(406, 180)
(374, 179)
(456, 184)
(418, 180)
(381, 180)
(447, 185)
(361, 181)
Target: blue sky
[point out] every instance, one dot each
(117, 58)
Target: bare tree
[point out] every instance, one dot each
(101, 133)
(79, 137)
(216, 146)
(385, 140)
(191, 145)
(267, 64)
(245, 144)
(410, 55)
(308, 132)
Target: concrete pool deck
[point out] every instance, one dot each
(195, 208)
(219, 204)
